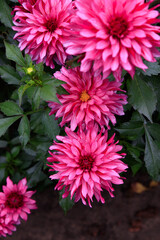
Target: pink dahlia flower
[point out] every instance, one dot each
(90, 98)
(114, 34)
(5, 228)
(16, 201)
(85, 163)
(26, 5)
(42, 26)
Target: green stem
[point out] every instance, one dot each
(35, 111)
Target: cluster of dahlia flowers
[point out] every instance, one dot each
(109, 35)
(15, 204)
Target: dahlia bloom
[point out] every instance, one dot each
(41, 27)
(5, 228)
(90, 98)
(27, 4)
(114, 35)
(16, 201)
(85, 163)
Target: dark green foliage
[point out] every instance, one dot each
(5, 14)
(5, 123)
(152, 156)
(141, 134)
(142, 97)
(65, 203)
(9, 74)
(26, 129)
(13, 53)
(10, 108)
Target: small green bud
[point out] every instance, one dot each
(30, 82)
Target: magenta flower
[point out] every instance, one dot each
(16, 201)
(85, 163)
(42, 27)
(114, 34)
(90, 99)
(26, 5)
(5, 228)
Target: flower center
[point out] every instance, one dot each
(51, 25)
(84, 96)
(118, 27)
(86, 162)
(14, 200)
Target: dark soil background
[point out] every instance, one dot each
(130, 215)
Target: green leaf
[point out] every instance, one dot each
(133, 156)
(35, 174)
(26, 79)
(36, 99)
(36, 123)
(5, 123)
(142, 97)
(14, 141)
(153, 68)
(136, 167)
(132, 129)
(48, 93)
(39, 67)
(5, 14)
(3, 144)
(14, 96)
(30, 151)
(34, 94)
(31, 92)
(21, 91)
(9, 74)
(24, 130)
(50, 125)
(10, 108)
(13, 53)
(49, 79)
(28, 59)
(15, 151)
(152, 156)
(61, 90)
(154, 130)
(134, 152)
(65, 203)
(136, 116)
(155, 84)
(40, 144)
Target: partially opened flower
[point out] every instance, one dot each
(42, 26)
(5, 228)
(16, 201)
(89, 99)
(114, 35)
(86, 163)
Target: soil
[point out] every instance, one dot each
(130, 215)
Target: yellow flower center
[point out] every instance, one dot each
(84, 96)
(30, 70)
